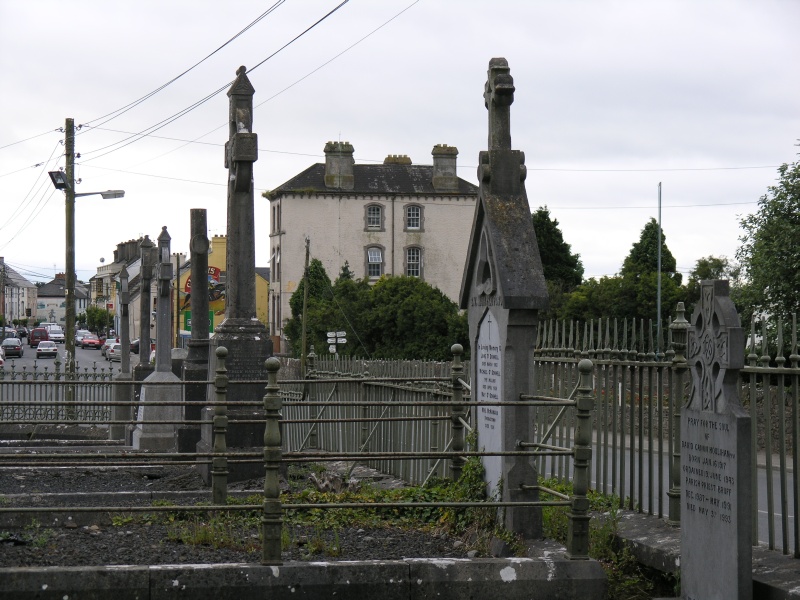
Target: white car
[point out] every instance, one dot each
(80, 334)
(56, 335)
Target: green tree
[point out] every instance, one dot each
(770, 246)
(560, 264)
(317, 311)
(563, 270)
(397, 317)
(412, 319)
(643, 256)
(716, 267)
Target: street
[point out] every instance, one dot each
(87, 360)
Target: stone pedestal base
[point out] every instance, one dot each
(123, 392)
(249, 437)
(158, 437)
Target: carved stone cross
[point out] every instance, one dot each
(715, 349)
(499, 95)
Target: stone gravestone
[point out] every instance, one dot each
(195, 367)
(244, 336)
(143, 368)
(160, 437)
(503, 289)
(716, 527)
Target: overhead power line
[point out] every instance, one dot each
(161, 124)
(120, 111)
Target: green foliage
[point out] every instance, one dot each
(411, 319)
(634, 292)
(95, 318)
(558, 261)
(770, 250)
(643, 256)
(397, 317)
(627, 579)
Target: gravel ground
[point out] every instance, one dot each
(96, 541)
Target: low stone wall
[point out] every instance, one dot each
(543, 578)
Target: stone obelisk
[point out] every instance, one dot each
(241, 332)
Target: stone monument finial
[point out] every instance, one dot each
(498, 96)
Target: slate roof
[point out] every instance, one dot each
(263, 272)
(52, 289)
(14, 279)
(375, 179)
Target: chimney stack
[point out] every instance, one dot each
(445, 178)
(339, 165)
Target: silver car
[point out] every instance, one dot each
(114, 352)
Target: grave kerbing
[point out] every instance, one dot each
(716, 523)
(503, 289)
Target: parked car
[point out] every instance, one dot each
(114, 352)
(106, 343)
(79, 335)
(90, 340)
(13, 347)
(46, 348)
(22, 332)
(135, 346)
(10, 333)
(36, 335)
(56, 334)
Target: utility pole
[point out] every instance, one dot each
(69, 287)
(658, 300)
(305, 306)
(177, 300)
(3, 301)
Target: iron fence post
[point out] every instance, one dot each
(578, 528)
(271, 521)
(457, 410)
(219, 464)
(680, 329)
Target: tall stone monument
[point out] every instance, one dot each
(241, 332)
(716, 526)
(123, 392)
(503, 289)
(148, 435)
(195, 367)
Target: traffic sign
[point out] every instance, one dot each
(331, 340)
(340, 333)
(340, 341)
(331, 334)
(332, 349)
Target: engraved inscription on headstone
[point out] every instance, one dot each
(716, 531)
(489, 389)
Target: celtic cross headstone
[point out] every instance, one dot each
(716, 528)
(503, 289)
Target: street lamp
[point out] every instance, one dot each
(66, 181)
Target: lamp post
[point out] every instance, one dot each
(65, 180)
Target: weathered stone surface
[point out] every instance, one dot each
(502, 290)
(716, 529)
(544, 578)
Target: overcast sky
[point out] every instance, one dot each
(611, 99)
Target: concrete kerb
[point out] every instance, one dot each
(542, 578)
(656, 544)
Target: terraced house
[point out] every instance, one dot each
(395, 218)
